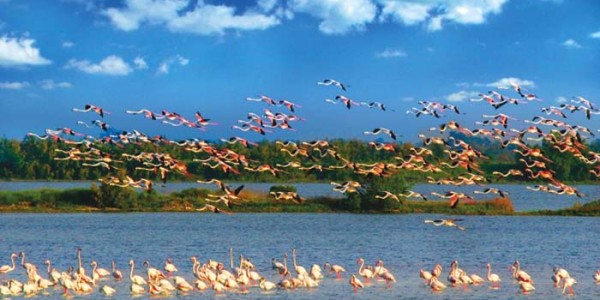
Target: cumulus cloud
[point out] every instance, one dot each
(203, 19)
(571, 44)
(49, 84)
(111, 65)
(434, 13)
(409, 13)
(13, 85)
(140, 63)
(20, 52)
(507, 83)
(337, 16)
(595, 35)
(461, 96)
(391, 53)
(165, 66)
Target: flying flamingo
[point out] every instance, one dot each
(90, 107)
(328, 82)
(377, 131)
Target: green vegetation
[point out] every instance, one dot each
(590, 209)
(115, 199)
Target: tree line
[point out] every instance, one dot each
(33, 159)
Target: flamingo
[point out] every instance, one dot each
(337, 269)
(6, 268)
(266, 285)
(101, 272)
(115, 272)
(436, 285)
(137, 289)
(526, 287)
(425, 275)
(446, 222)
(146, 112)
(170, 267)
(366, 273)
(327, 82)
(379, 130)
(388, 277)
(519, 274)
(107, 290)
(90, 107)
(356, 283)
(182, 285)
(52, 272)
(135, 279)
(299, 269)
(493, 278)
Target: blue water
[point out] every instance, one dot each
(403, 242)
(523, 199)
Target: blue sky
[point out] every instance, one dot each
(208, 56)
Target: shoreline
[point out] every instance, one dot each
(91, 200)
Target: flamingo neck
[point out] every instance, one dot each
(131, 272)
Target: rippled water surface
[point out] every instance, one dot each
(522, 198)
(403, 242)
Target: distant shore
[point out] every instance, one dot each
(127, 200)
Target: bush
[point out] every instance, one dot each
(108, 196)
(373, 186)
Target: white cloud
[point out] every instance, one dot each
(17, 52)
(571, 44)
(140, 63)
(461, 96)
(203, 19)
(67, 44)
(391, 53)
(111, 65)
(595, 35)
(561, 99)
(337, 16)
(408, 99)
(434, 13)
(49, 84)
(165, 66)
(408, 13)
(137, 12)
(13, 85)
(506, 83)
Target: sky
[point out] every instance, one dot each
(208, 56)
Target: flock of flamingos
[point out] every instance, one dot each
(308, 156)
(216, 276)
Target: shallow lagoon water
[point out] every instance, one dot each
(403, 242)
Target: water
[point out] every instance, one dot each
(403, 242)
(523, 199)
